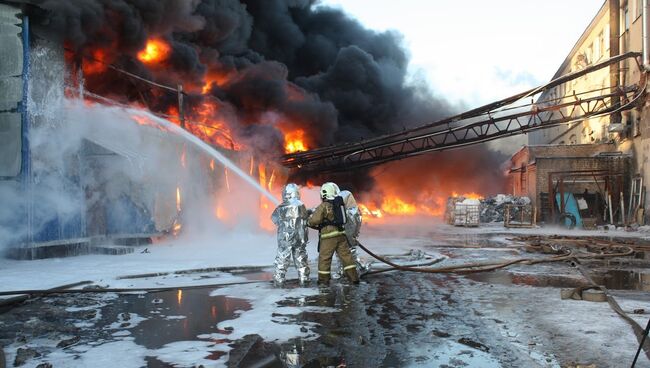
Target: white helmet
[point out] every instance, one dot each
(329, 191)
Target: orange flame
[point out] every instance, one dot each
(392, 205)
(470, 195)
(155, 51)
(271, 180)
(96, 64)
(219, 78)
(265, 208)
(178, 199)
(365, 211)
(295, 141)
(395, 206)
(225, 170)
(211, 165)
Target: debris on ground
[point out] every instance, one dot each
(24, 354)
(493, 208)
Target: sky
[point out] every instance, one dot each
(473, 52)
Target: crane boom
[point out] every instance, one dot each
(497, 120)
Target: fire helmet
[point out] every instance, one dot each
(291, 191)
(329, 190)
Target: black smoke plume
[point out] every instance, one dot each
(291, 62)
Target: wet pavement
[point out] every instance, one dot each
(508, 318)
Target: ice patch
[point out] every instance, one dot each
(266, 318)
(451, 354)
(126, 320)
(175, 317)
(190, 354)
(123, 354)
(121, 333)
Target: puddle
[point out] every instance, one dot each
(537, 280)
(176, 315)
(623, 280)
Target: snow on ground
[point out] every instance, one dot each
(268, 317)
(246, 248)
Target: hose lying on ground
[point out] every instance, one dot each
(124, 290)
(639, 332)
(490, 266)
(483, 267)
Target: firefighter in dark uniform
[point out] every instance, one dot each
(332, 236)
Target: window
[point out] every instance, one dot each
(606, 40)
(626, 18)
(597, 47)
(601, 43)
(638, 9)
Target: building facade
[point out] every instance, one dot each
(616, 29)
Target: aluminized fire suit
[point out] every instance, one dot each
(291, 219)
(352, 229)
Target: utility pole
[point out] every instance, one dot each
(181, 112)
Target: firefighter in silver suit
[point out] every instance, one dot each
(353, 227)
(291, 219)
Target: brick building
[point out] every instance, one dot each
(616, 142)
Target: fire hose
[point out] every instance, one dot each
(122, 290)
(467, 268)
(490, 266)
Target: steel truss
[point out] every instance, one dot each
(494, 121)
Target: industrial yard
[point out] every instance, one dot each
(253, 183)
(510, 317)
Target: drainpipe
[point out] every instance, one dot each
(646, 36)
(614, 50)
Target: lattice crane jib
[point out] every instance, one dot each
(504, 118)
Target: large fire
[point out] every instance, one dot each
(96, 64)
(393, 205)
(294, 141)
(155, 51)
(208, 118)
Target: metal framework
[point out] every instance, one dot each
(500, 119)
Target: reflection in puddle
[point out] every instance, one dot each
(178, 315)
(538, 280)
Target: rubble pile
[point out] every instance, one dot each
(493, 208)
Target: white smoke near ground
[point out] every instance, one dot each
(88, 157)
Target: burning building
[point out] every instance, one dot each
(253, 79)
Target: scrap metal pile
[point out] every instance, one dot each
(493, 208)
